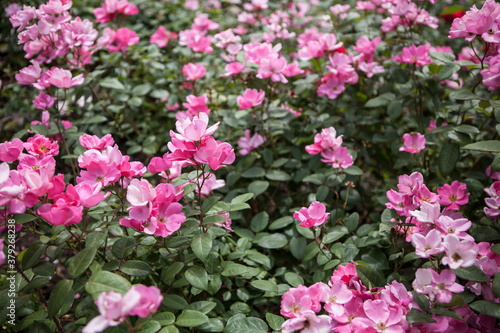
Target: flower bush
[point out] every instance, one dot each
(250, 166)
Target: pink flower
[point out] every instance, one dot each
(44, 101)
(61, 212)
(491, 75)
(415, 55)
(10, 150)
(413, 143)
(111, 8)
(193, 130)
(250, 98)
(194, 71)
(90, 194)
(338, 158)
(214, 153)
(12, 9)
(379, 318)
(312, 216)
(113, 308)
(79, 33)
(459, 253)
(227, 223)
(140, 195)
(297, 300)
(428, 212)
(336, 297)
(41, 146)
(197, 104)
(62, 78)
(327, 139)
(118, 40)
(292, 69)
(196, 41)
(148, 303)
(247, 143)
(94, 142)
(423, 281)
(234, 68)
(428, 245)
(161, 37)
(309, 322)
(401, 203)
(30, 74)
(272, 67)
(444, 286)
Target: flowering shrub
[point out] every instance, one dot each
(250, 166)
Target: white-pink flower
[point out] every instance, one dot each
(459, 253)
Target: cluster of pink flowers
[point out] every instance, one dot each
(161, 37)
(482, 23)
(413, 54)
(413, 143)
(312, 216)
(441, 235)
(330, 147)
(139, 300)
(193, 144)
(403, 13)
(154, 211)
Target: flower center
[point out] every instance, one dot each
(381, 326)
(441, 285)
(425, 198)
(295, 308)
(451, 230)
(35, 167)
(455, 256)
(43, 148)
(453, 197)
(99, 178)
(332, 299)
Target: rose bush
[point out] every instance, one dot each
(250, 166)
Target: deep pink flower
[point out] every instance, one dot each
(148, 303)
(61, 212)
(312, 216)
(250, 98)
(415, 55)
(327, 139)
(227, 223)
(308, 322)
(90, 194)
(196, 41)
(413, 143)
(338, 158)
(234, 68)
(214, 153)
(111, 8)
(272, 67)
(161, 37)
(197, 105)
(453, 196)
(41, 146)
(44, 101)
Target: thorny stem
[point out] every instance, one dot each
(320, 244)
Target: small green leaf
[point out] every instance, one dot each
(258, 187)
(23, 218)
(32, 254)
(422, 301)
(81, 261)
(448, 158)
(112, 83)
(487, 308)
(448, 70)
(416, 316)
(294, 279)
(281, 223)
(164, 318)
(191, 318)
(59, 296)
(234, 269)
(273, 241)
(197, 277)
(168, 273)
(136, 268)
(124, 247)
(104, 281)
(278, 175)
(368, 276)
(472, 273)
(246, 325)
(488, 146)
(463, 94)
(274, 321)
(242, 198)
(201, 245)
(259, 222)
(208, 204)
(446, 312)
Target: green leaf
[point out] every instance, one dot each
(264, 285)
(197, 277)
(496, 285)
(246, 325)
(488, 146)
(234, 269)
(32, 254)
(112, 83)
(60, 296)
(136, 268)
(95, 239)
(124, 247)
(368, 276)
(293, 279)
(448, 158)
(23, 218)
(211, 219)
(141, 89)
(209, 203)
(201, 245)
(416, 316)
(496, 248)
(446, 312)
(316, 179)
(274, 321)
(463, 94)
(168, 273)
(487, 308)
(381, 100)
(443, 56)
(278, 175)
(175, 302)
(258, 187)
(422, 301)
(202, 306)
(242, 198)
(448, 70)
(281, 223)
(150, 326)
(259, 222)
(191, 318)
(44, 268)
(472, 273)
(354, 171)
(81, 261)
(273, 241)
(253, 172)
(468, 129)
(104, 281)
(164, 318)
(40, 129)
